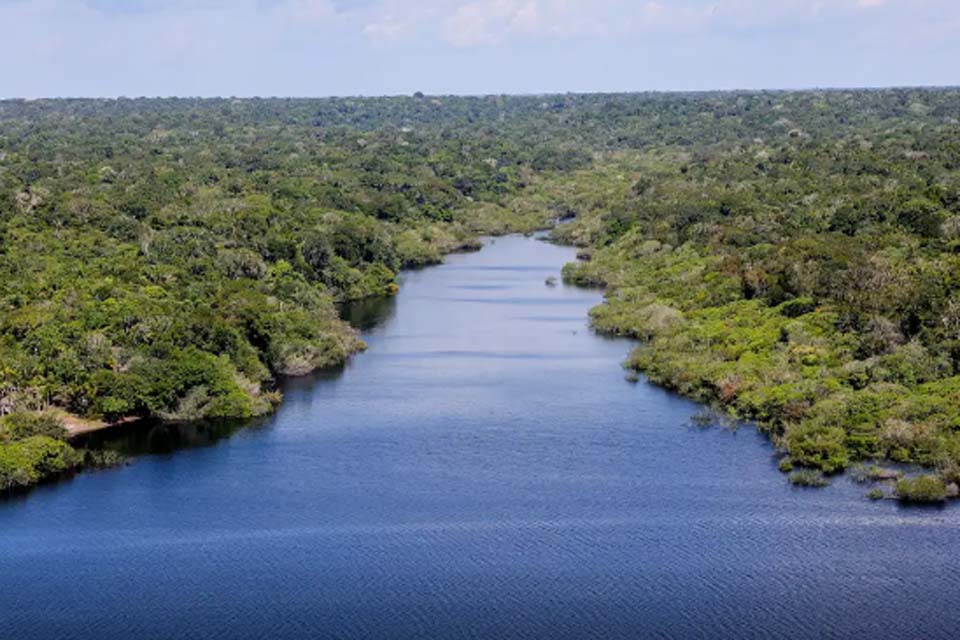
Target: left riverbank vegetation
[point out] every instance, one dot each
(172, 258)
(788, 257)
(34, 447)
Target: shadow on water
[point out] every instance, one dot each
(158, 437)
(144, 437)
(366, 314)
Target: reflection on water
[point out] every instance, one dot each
(151, 436)
(367, 314)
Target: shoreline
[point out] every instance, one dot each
(77, 426)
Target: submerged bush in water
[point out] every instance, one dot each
(703, 419)
(922, 489)
(808, 478)
(103, 458)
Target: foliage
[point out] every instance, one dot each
(922, 489)
(25, 424)
(32, 448)
(172, 258)
(791, 257)
(102, 458)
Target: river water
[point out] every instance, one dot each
(483, 471)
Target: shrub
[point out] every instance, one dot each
(33, 459)
(103, 458)
(823, 448)
(922, 217)
(797, 307)
(808, 478)
(24, 424)
(859, 474)
(922, 489)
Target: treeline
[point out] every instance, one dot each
(787, 255)
(805, 277)
(170, 259)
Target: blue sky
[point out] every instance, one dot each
(376, 47)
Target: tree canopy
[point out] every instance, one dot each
(792, 257)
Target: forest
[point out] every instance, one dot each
(789, 258)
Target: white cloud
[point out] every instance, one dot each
(480, 22)
(149, 47)
(384, 31)
(527, 19)
(484, 22)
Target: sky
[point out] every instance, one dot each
(109, 48)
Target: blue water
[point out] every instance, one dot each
(483, 471)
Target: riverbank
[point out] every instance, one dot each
(24, 454)
(304, 367)
(77, 426)
(483, 465)
(885, 484)
(830, 397)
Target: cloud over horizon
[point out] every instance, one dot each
(337, 47)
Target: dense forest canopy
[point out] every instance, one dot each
(791, 257)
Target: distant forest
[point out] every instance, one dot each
(790, 258)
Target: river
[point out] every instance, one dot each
(484, 470)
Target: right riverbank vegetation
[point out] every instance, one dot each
(791, 258)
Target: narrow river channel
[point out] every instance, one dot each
(483, 471)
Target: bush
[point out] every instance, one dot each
(863, 474)
(922, 489)
(34, 459)
(103, 458)
(823, 448)
(797, 307)
(859, 474)
(24, 424)
(921, 216)
(808, 478)
(193, 384)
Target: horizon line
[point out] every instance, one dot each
(533, 94)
